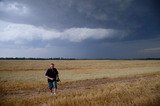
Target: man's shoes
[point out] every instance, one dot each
(53, 94)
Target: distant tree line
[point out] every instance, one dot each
(61, 58)
(147, 59)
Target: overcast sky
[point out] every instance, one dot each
(80, 28)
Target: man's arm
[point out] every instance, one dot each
(49, 77)
(57, 76)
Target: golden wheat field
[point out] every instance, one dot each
(83, 83)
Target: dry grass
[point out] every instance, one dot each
(137, 93)
(24, 82)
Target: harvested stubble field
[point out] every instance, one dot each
(83, 83)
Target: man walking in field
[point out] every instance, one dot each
(52, 76)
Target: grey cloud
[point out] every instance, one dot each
(13, 8)
(151, 50)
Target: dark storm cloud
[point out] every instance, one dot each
(139, 18)
(84, 26)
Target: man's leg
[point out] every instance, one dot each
(54, 87)
(55, 90)
(50, 90)
(50, 85)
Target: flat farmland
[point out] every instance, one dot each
(83, 82)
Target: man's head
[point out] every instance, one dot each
(52, 65)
